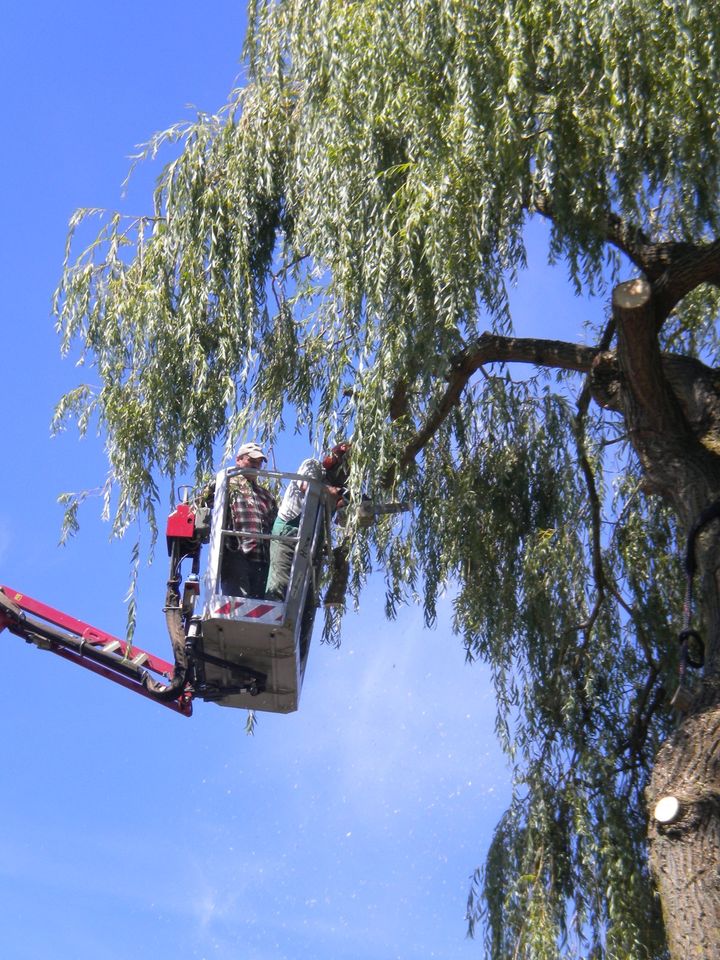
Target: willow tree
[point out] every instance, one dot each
(332, 252)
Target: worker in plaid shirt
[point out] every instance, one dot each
(252, 509)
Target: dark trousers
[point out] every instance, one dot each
(242, 575)
(282, 555)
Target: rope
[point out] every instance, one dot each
(692, 648)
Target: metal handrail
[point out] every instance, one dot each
(250, 535)
(275, 475)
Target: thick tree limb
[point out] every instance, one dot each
(675, 454)
(673, 268)
(670, 408)
(677, 268)
(641, 361)
(676, 398)
(677, 391)
(628, 238)
(492, 348)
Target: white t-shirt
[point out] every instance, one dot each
(292, 501)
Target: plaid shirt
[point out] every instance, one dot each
(252, 510)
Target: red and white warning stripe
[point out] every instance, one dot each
(241, 608)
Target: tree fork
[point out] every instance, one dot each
(677, 465)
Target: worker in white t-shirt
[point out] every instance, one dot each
(286, 525)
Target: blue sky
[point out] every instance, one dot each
(348, 830)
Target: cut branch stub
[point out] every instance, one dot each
(632, 295)
(667, 809)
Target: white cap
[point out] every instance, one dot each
(251, 450)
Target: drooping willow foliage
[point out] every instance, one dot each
(320, 253)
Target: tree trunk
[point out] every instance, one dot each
(684, 792)
(685, 850)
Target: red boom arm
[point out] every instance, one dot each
(86, 646)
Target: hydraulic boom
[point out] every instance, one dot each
(93, 649)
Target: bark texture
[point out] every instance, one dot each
(670, 410)
(685, 853)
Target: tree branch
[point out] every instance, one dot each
(595, 512)
(676, 269)
(672, 453)
(627, 238)
(493, 348)
(656, 407)
(673, 268)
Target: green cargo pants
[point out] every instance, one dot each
(281, 558)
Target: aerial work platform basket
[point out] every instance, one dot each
(236, 651)
(249, 651)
